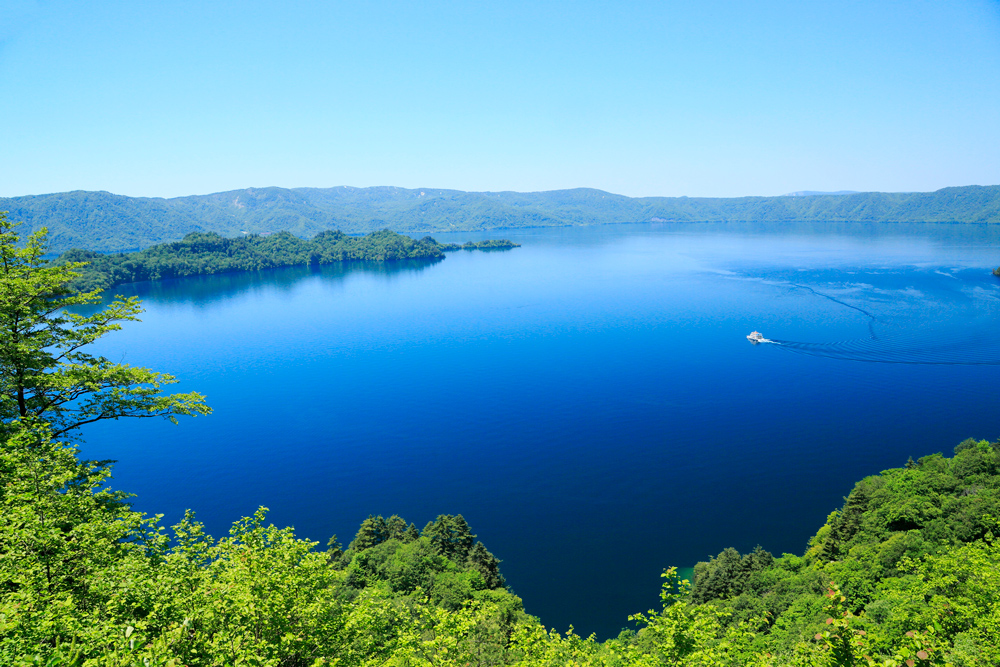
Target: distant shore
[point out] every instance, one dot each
(115, 223)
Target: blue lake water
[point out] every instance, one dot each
(588, 401)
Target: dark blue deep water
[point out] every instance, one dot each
(588, 401)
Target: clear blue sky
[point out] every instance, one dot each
(708, 98)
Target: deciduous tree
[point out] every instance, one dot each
(46, 370)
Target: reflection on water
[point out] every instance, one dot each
(208, 289)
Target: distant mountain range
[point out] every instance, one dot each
(106, 222)
(810, 193)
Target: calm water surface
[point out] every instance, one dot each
(588, 401)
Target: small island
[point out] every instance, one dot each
(206, 253)
(996, 272)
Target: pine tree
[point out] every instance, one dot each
(372, 533)
(395, 527)
(451, 536)
(487, 565)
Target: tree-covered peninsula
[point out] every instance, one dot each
(906, 572)
(209, 253)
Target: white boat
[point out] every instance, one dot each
(756, 337)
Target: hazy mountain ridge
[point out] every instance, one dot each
(811, 193)
(107, 222)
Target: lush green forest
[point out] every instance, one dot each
(906, 572)
(208, 253)
(113, 223)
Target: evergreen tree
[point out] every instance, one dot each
(334, 550)
(848, 521)
(395, 528)
(451, 536)
(411, 534)
(487, 565)
(372, 533)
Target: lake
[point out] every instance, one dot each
(588, 401)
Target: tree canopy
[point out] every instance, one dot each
(208, 253)
(46, 372)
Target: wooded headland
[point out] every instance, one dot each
(199, 254)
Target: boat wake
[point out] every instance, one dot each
(909, 342)
(871, 318)
(967, 352)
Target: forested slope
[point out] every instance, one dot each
(110, 223)
(906, 573)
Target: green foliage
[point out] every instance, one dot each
(61, 535)
(728, 574)
(208, 253)
(113, 223)
(450, 536)
(903, 541)
(490, 244)
(442, 566)
(912, 512)
(45, 371)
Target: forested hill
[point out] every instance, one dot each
(111, 223)
(199, 254)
